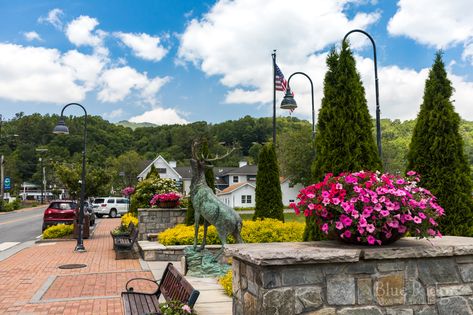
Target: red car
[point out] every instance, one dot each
(59, 211)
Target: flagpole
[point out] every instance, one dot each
(274, 96)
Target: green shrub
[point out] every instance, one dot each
(147, 188)
(260, 231)
(226, 282)
(58, 231)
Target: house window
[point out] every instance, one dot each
(161, 170)
(291, 185)
(235, 179)
(251, 177)
(246, 199)
(291, 200)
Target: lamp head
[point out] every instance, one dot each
(61, 128)
(288, 101)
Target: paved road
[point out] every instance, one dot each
(20, 226)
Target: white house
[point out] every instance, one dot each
(289, 191)
(165, 170)
(238, 195)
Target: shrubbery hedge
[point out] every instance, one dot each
(260, 231)
(58, 231)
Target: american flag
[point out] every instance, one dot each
(281, 83)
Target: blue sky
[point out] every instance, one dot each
(167, 61)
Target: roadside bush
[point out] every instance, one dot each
(58, 231)
(260, 231)
(226, 282)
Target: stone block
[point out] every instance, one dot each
(365, 291)
(431, 294)
(427, 310)
(268, 279)
(389, 289)
(365, 310)
(301, 275)
(324, 311)
(391, 266)
(341, 290)
(464, 259)
(252, 287)
(361, 267)
(278, 301)
(454, 290)
(250, 305)
(399, 311)
(466, 272)
(438, 270)
(457, 305)
(411, 269)
(415, 293)
(308, 298)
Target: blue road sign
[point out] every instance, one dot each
(7, 183)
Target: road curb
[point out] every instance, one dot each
(54, 240)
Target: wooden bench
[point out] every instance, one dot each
(130, 230)
(124, 245)
(173, 287)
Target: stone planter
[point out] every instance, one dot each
(408, 277)
(156, 220)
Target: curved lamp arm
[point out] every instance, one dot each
(312, 93)
(378, 119)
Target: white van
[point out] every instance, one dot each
(112, 206)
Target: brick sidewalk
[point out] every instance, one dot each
(32, 283)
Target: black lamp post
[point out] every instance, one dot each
(378, 119)
(289, 102)
(61, 128)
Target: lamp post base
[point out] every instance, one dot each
(80, 248)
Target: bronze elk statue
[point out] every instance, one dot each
(206, 204)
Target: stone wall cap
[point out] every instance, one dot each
(161, 209)
(334, 251)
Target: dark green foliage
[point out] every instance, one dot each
(268, 188)
(344, 139)
(436, 153)
(190, 213)
(153, 172)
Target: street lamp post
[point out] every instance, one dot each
(43, 184)
(378, 119)
(61, 128)
(289, 102)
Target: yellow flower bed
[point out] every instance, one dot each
(127, 218)
(226, 282)
(58, 231)
(260, 231)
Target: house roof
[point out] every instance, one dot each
(234, 187)
(186, 171)
(146, 170)
(244, 170)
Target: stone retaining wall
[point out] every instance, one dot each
(410, 277)
(156, 220)
(154, 251)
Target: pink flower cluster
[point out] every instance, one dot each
(371, 207)
(172, 196)
(127, 191)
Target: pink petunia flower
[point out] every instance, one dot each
(417, 220)
(325, 228)
(339, 225)
(347, 234)
(384, 213)
(411, 173)
(431, 232)
(370, 228)
(370, 239)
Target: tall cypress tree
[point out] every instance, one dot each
(344, 140)
(436, 153)
(268, 187)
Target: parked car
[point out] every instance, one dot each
(59, 211)
(64, 211)
(112, 206)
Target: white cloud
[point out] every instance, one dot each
(36, 74)
(53, 18)
(437, 23)
(31, 36)
(114, 114)
(81, 32)
(118, 83)
(143, 45)
(242, 53)
(86, 68)
(160, 116)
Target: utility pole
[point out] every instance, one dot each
(43, 184)
(2, 175)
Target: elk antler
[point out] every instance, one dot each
(194, 149)
(206, 159)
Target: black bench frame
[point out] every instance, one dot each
(173, 287)
(123, 238)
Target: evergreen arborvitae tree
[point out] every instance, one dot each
(268, 187)
(436, 153)
(153, 172)
(344, 140)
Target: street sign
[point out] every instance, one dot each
(7, 183)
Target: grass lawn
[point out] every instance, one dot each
(288, 217)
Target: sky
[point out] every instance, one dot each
(181, 61)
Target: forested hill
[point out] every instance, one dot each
(107, 143)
